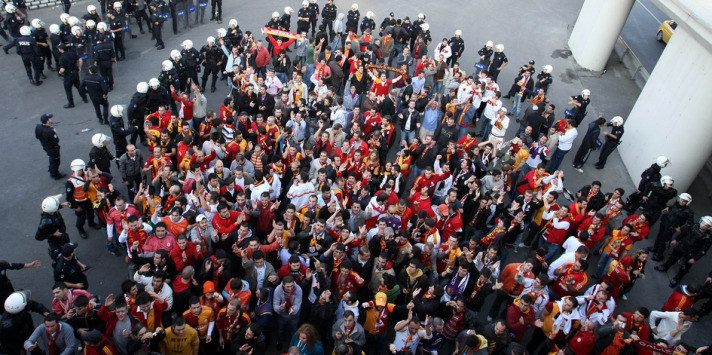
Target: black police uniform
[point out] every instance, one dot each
(100, 158)
(497, 61)
(98, 89)
(313, 15)
(104, 56)
(658, 198)
(117, 25)
(234, 36)
(28, 49)
(140, 7)
(212, 55)
(157, 23)
(168, 78)
(285, 22)
(42, 39)
(580, 112)
(15, 328)
(352, 18)
(610, 145)
(648, 176)
(136, 113)
(68, 62)
(303, 26)
(180, 69)
(70, 271)
(415, 32)
(50, 143)
(49, 224)
(56, 40)
(66, 32)
(692, 243)
(216, 10)
(157, 97)
(79, 45)
(368, 24)
(120, 133)
(192, 59)
(677, 216)
(13, 24)
(457, 45)
(328, 15)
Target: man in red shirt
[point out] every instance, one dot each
(595, 229)
(571, 279)
(430, 179)
(381, 85)
(452, 223)
(121, 211)
(641, 226)
(682, 298)
(372, 119)
(156, 162)
(520, 316)
(227, 220)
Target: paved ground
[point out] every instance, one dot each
(534, 32)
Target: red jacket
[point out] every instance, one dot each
(285, 270)
(450, 226)
(679, 301)
(596, 233)
(190, 253)
(264, 221)
(261, 56)
(583, 342)
(157, 310)
(228, 225)
(110, 318)
(513, 323)
(641, 229)
(186, 105)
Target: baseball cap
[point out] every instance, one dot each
(208, 286)
(381, 299)
(46, 117)
(443, 209)
(392, 14)
(199, 218)
(68, 248)
(531, 62)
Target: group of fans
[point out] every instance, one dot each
(338, 202)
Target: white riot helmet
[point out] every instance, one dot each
(685, 197)
(421, 16)
(91, 8)
(167, 65)
(586, 92)
(354, 6)
(25, 30)
(187, 44)
(51, 204)
(662, 161)
(76, 30)
(618, 121)
(54, 29)
(232, 23)
(288, 10)
(175, 54)
(458, 32)
(706, 220)
(99, 139)
(63, 17)
(74, 21)
(117, 110)
(275, 14)
(667, 180)
(11, 8)
(489, 44)
(37, 23)
(369, 14)
(305, 3)
(16, 302)
(548, 68)
(499, 47)
(425, 27)
(117, 5)
(142, 87)
(154, 83)
(222, 32)
(211, 39)
(91, 24)
(102, 26)
(77, 164)
(313, 1)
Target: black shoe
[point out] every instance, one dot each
(59, 176)
(50, 68)
(673, 283)
(220, 21)
(111, 88)
(657, 258)
(101, 122)
(83, 235)
(211, 19)
(115, 253)
(85, 99)
(212, 89)
(70, 105)
(43, 76)
(660, 268)
(507, 96)
(94, 225)
(478, 135)
(6, 52)
(133, 36)
(223, 78)
(143, 32)
(160, 47)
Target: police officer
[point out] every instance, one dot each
(352, 18)
(78, 197)
(92, 14)
(140, 7)
(90, 35)
(672, 220)
(28, 49)
(55, 37)
(65, 27)
(499, 61)
(42, 38)
(104, 59)
(328, 15)
(657, 196)
(16, 325)
(213, 59)
(613, 139)
(47, 136)
(137, 109)
(177, 61)
(156, 96)
(78, 42)
(368, 24)
(689, 246)
(169, 77)
(13, 22)
(457, 45)
(313, 15)
(69, 66)
(52, 227)
(303, 17)
(99, 156)
(216, 10)
(157, 22)
(97, 88)
(234, 34)
(648, 176)
(119, 133)
(116, 27)
(415, 29)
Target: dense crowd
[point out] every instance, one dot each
(341, 200)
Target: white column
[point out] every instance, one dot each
(672, 114)
(597, 28)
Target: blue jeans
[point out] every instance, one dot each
(287, 326)
(603, 263)
(110, 246)
(283, 77)
(556, 160)
(518, 105)
(408, 136)
(486, 128)
(552, 249)
(310, 71)
(462, 131)
(437, 87)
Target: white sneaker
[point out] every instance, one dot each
(579, 170)
(624, 298)
(521, 245)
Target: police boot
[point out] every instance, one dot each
(69, 105)
(219, 18)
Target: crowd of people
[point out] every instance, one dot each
(341, 199)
